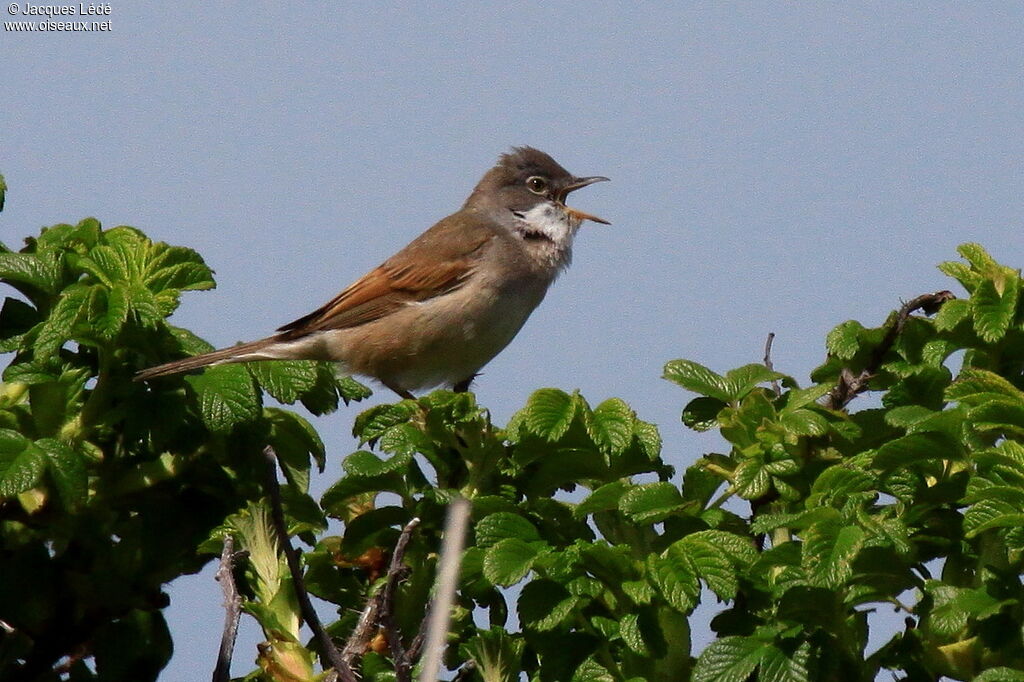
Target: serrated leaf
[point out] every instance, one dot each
(906, 416)
(59, 324)
(509, 561)
(977, 256)
(285, 380)
(801, 397)
(990, 513)
(828, 552)
(109, 322)
(844, 340)
(549, 413)
(701, 414)
(604, 498)
(999, 415)
(651, 502)
(838, 483)
(981, 382)
(363, 463)
(915, 447)
(499, 526)
(743, 380)
(41, 271)
(751, 479)
(675, 577)
(779, 666)
(953, 606)
(729, 659)
(544, 604)
(67, 469)
(697, 378)
(803, 423)
(21, 464)
(649, 437)
(994, 312)
(226, 396)
(951, 314)
(610, 426)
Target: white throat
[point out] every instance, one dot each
(548, 221)
(548, 230)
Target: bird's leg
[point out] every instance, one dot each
(402, 393)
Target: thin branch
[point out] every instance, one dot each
(232, 609)
(447, 581)
(849, 385)
(768, 362)
(308, 613)
(378, 612)
(397, 571)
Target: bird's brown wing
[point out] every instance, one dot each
(437, 262)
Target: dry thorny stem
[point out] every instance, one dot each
(232, 608)
(849, 385)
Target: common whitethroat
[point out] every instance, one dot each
(438, 310)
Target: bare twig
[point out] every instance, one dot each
(378, 614)
(447, 581)
(397, 571)
(232, 609)
(330, 651)
(768, 362)
(850, 385)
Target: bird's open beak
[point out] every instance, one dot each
(576, 184)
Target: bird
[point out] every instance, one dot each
(445, 305)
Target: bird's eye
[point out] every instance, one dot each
(537, 184)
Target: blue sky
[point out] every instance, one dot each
(775, 167)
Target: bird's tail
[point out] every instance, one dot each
(243, 352)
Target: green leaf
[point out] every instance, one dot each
(701, 414)
(952, 313)
(603, 499)
(363, 463)
(743, 380)
(778, 666)
(953, 607)
(285, 380)
(1000, 674)
(59, 325)
(499, 526)
(21, 464)
(675, 577)
(509, 561)
(915, 447)
(994, 310)
(549, 413)
(844, 340)
(729, 659)
(828, 552)
(973, 385)
(67, 469)
(226, 396)
(544, 605)
(651, 502)
(803, 423)
(697, 378)
(41, 271)
(610, 425)
(802, 397)
(3, 192)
